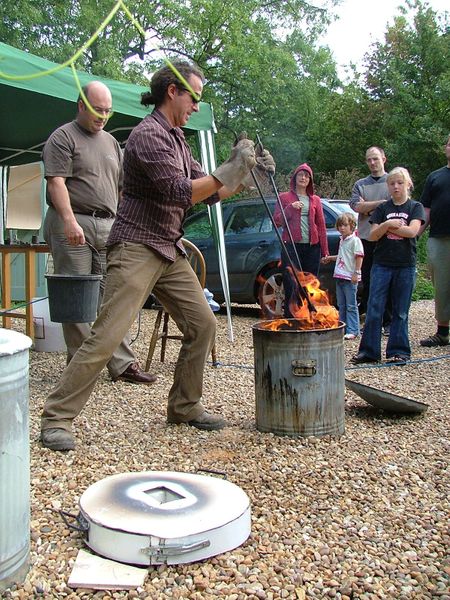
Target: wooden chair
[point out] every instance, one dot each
(197, 262)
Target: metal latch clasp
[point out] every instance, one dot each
(163, 551)
(304, 368)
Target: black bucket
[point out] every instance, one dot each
(73, 298)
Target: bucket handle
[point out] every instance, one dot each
(83, 525)
(92, 247)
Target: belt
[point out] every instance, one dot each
(98, 214)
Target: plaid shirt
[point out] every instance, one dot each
(158, 170)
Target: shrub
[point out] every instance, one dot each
(424, 288)
(422, 249)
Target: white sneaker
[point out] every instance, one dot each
(350, 336)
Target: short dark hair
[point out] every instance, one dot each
(165, 77)
(380, 150)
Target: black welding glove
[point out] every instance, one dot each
(238, 166)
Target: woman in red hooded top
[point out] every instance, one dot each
(304, 215)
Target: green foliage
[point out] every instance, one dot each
(422, 248)
(267, 73)
(408, 77)
(338, 184)
(346, 126)
(257, 56)
(424, 288)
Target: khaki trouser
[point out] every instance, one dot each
(133, 272)
(438, 253)
(84, 260)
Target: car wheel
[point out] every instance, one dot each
(271, 294)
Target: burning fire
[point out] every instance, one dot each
(325, 315)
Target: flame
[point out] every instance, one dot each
(325, 315)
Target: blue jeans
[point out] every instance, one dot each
(399, 282)
(348, 306)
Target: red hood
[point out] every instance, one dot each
(310, 188)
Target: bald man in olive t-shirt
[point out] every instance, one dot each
(83, 165)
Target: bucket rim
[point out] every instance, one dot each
(262, 326)
(74, 277)
(13, 342)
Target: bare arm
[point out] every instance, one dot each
(59, 195)
(397, 226)
(365, 207)
(357, 272)
(411, 230)
(326, 259)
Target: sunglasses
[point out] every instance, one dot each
(193, 98)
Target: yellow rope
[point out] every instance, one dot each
(71, 61)
(166, 60)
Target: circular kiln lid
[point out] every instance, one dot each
(163, 503)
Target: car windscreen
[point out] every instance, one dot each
(248, 219)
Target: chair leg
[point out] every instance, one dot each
(164, 334)
(215, 362)
(154, 339)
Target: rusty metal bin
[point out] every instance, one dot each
(299, 380)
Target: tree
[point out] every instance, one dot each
(346, 127)
(408, 80)
(262, 70)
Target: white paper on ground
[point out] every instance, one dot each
(94, 572)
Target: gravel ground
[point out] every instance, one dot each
(364, 516)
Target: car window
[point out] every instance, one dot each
(266, 226)
(330, 218)
(248, 219)
(198, 228)
(343, 207)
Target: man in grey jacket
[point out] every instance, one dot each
(367, 194)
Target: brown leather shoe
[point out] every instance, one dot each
(134, 374)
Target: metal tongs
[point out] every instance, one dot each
(303, 293)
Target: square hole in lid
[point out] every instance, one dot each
(163, 495)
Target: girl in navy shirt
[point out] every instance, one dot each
(394, 226)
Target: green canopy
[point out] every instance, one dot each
(31, 109)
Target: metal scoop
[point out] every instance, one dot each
(385, 400)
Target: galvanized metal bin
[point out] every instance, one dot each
(163, 517)
(14, 458)
(299, 380)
